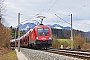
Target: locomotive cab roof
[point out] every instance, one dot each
(41, 24)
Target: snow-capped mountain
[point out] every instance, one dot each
(57, 26)
(28, 26)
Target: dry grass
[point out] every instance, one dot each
(9, 56)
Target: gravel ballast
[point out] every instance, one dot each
(41, 55)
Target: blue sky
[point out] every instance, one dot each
(80, 9)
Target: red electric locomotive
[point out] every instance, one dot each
(39, 37)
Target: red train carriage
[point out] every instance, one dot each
(39, 37)
(24, 40)
(16, 42)
(12, 42)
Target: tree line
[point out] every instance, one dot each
(66, 34)
(15, 32)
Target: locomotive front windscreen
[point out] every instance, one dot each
(43, 31)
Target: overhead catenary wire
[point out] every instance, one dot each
(30, 18)
(62, 19)
(51, 6)
(54, 4)
(84, 5)
(1, 1)
(45, 7)
(74, 6)
(81, 7)
(39, 12)
(70, 7)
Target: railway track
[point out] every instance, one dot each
(33, 54)
(72, 53)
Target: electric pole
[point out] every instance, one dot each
(71, 34)
(71, 29)
(15, 37)
(18, 32)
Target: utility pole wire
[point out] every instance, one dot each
(62, 19)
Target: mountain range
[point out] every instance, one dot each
(27, 26)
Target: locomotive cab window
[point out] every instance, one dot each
(43, 31)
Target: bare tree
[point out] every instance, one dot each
(2, 9)
(78, 42)
(5, 33)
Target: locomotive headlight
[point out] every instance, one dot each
(50, 38)
(37, 38)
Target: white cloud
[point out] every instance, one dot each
(28, 8)
(82, 25)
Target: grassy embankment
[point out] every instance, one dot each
(9, 56)
(65, 42)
